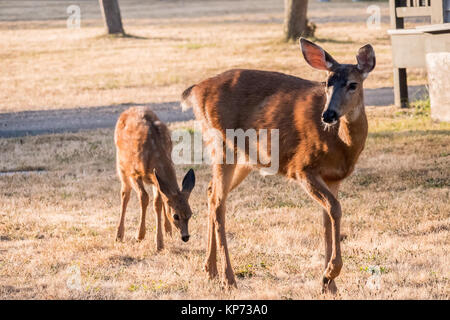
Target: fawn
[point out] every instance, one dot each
(143, 152)
(322, 131)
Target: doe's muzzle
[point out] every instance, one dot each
(330, 116)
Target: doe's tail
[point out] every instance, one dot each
(185, 98)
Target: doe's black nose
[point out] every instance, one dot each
(185, 238)
(330, 116)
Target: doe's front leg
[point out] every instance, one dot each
(211, 258)
(326, 196)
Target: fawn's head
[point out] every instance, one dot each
(344, 85)
(178, 201)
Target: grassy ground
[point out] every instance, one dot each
(47, 66)
(395, 215)
(61, 219)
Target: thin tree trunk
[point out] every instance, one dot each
(295, 21)
(111, 14)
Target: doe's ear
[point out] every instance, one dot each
(316, 56)
(188, 181)
(366, 59)
(162, 186)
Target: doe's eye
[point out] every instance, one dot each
(352, 86)
(176, 217)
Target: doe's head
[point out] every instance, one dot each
(177, 201)
(344, 85)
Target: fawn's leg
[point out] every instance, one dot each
(158, 207)
(318, 190)
(125, 197)
(138, 186)
(223, 175)
(167, 224)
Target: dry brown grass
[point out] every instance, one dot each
(47, 66)
(395, 215)
(395, 205)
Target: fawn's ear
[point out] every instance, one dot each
(317, 57)
(366, 60)
(188, 182)
(162, 186)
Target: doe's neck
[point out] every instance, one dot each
(353, 129)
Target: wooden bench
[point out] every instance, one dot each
(409, 46)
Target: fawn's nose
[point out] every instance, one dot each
(330, 116)
(185, 238)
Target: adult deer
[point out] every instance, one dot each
(144, 147)
(322, 132)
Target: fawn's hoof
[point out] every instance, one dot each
(328, 286)
(168, 230)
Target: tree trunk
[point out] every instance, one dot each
(111, 14)
(295, 21)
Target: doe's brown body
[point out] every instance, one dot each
(322, 131)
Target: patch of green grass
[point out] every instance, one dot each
(422, 107)
(249, 270)
(374, 269)
(414, 120)
(246, 271)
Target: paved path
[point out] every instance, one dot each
(25, 123)
(18, 124)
